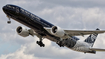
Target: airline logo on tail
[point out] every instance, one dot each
(91, 38)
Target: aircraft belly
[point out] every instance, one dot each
(54, 39)
(80, 46)
(70, 43)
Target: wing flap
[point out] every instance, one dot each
(97, 49)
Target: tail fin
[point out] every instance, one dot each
(91, 39)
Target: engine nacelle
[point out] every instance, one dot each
(57, 31)
(22, 31)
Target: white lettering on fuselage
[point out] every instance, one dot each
(34, 17)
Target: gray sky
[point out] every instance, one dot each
(68, 14)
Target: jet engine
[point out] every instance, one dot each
(57, 31)
(22, 31)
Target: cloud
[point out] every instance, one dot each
(81, 17)
(19, 54)
(77, 3)
(33, 51)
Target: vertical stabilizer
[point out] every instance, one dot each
(91, 39)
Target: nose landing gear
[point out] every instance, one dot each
(9, 22)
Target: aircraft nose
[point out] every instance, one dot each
(4, 8)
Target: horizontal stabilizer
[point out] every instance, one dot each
(83, 32)
(97, 49)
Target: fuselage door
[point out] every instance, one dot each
(17, 10)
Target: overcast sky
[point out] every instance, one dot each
(68, 14)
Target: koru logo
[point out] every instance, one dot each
(93, 37)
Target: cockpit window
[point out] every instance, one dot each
(11, 6)
(15, 8)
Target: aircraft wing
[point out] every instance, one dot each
(82, 32)
(97, 49)
(79, 32)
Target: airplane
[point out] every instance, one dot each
(43, 29)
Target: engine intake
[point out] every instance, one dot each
(22, 31)
(57, 31)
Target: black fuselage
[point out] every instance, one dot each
(23, 16)
(34, 22)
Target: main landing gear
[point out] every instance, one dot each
(60, 43)
(40, 43)
(9, 22)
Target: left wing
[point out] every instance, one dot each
(82, 32)
(97, 49)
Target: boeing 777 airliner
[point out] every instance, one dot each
(43, 29)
